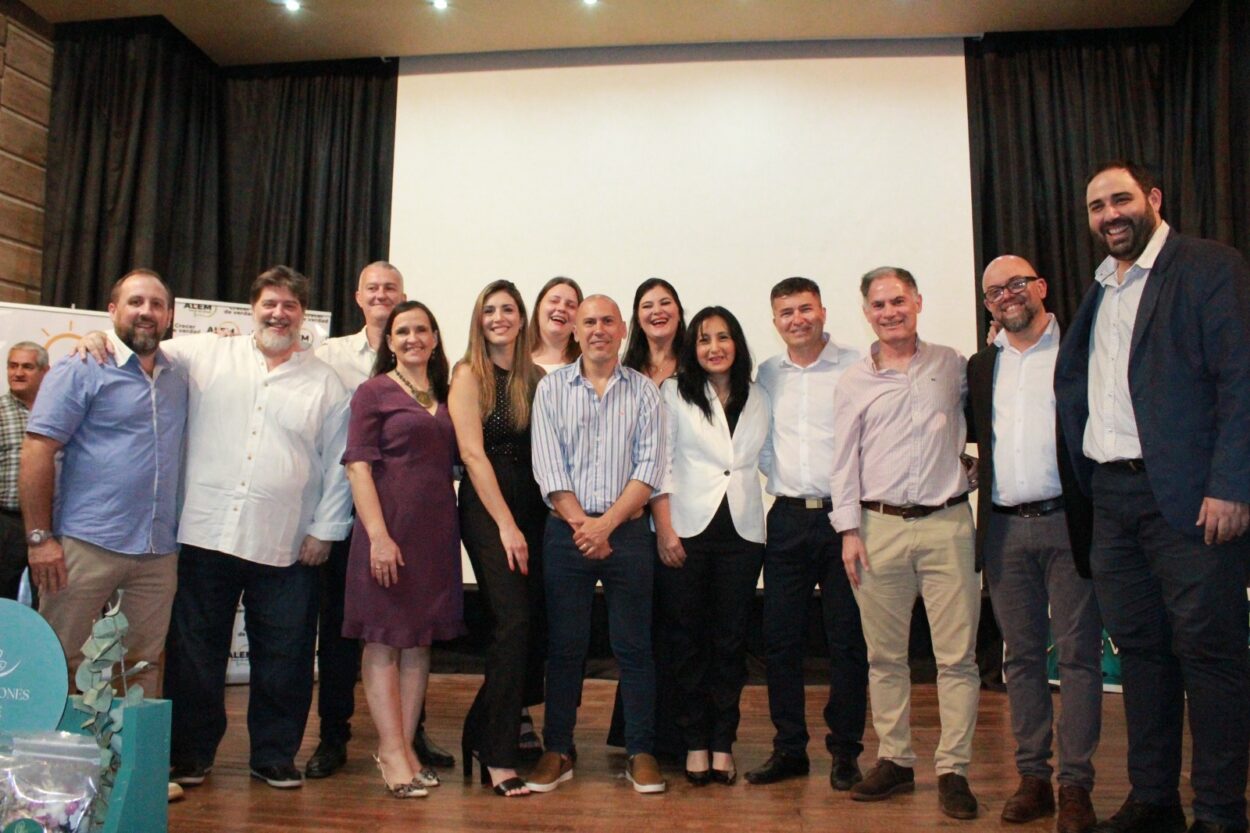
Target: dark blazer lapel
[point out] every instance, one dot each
(1159, 276)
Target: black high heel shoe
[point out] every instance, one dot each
(504, 788)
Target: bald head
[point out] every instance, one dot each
(600, 329)
(1014, 294)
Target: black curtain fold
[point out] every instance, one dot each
(1045, 108)
(132, 150)
(159, 158)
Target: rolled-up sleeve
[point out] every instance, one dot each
(649, 442)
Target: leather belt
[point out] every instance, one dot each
(912, 511)
(1033, 509)
(1137, 466)
(805, 502)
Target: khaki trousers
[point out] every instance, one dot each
(932, 557)
(95, 574)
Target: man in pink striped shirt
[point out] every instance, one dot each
(900, 502)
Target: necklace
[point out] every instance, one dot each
(423, 397)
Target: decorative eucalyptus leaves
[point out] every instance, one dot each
(95, 678)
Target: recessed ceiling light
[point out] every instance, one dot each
(439, 4)
(591, 2)
(292, 5)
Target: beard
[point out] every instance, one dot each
(1021, 320)
(271, 342)
(143, 342)
(1140, 229)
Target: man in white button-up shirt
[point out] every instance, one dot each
(802, 550)
(265, 495)
(1153, 391)
(1033, 539)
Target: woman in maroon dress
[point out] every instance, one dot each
(404, 588)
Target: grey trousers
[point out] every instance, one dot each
(1029, 567)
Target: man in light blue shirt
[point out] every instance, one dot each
(107, 522)
(598, 452)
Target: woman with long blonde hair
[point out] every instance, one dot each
(502, 515)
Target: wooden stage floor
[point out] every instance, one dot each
(597, 799)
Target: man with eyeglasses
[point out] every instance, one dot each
(1033, 539)
(1153, 391)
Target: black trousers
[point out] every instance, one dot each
(13, 551)
(803, 551)
(705, 608)
(338, 659)
(1176, 609)
(517, 610)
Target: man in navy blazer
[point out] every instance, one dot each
(1153, 391)
(1033, 540)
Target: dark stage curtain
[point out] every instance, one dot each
(159, 158)
(132, 161)
(308, 159)
(1044, 109)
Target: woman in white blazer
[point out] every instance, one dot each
(710, 532)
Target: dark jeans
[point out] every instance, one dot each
(1036, 588)
(1176, 609)
(13, 551)
(803, 551)
(705, 607)
(338, 659)
(281, 622)
(516, 649)
(570, 578)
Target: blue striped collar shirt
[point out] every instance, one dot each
(594, 445)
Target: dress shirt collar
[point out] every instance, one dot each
(300, 355)
(871, 358)
(580, 376)
(1106, 272)
(122, 354)
(359, 342)
(1048, 336)
(828, 354)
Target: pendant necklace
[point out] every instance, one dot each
(423, 397)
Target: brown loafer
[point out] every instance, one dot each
(1076, 812)
(552, 770)
(1034, 799)
(955, 797)
(643, 771)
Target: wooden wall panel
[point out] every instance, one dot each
(26, 56)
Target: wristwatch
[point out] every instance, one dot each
(37, 536)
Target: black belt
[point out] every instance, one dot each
(805, 502)
(912, 511)
(1137, 466)
(1034, 509)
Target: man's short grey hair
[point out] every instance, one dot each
(887, 272)
(41, 355)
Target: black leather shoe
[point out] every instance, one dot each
(1139, 817)
(327, 760)
(430, 753)
(1211, 827)
(779, 767)
(845, 774)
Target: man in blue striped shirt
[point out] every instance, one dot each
(598, 451)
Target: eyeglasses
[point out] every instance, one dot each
(1015, 286)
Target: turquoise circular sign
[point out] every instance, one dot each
(33, 675)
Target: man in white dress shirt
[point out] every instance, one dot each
(802, 550)
(265, 495)
(1033, 538)
(900, 502)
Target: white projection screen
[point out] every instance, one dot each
(722, 169)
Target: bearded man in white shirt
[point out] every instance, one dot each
(265, 495)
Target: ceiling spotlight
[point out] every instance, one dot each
(439, 4)
(591, 2)
(292, 5)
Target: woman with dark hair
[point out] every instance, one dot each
(709, 523)
(404, 588)
(656, 330)
(550, 341)
(502, 516)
